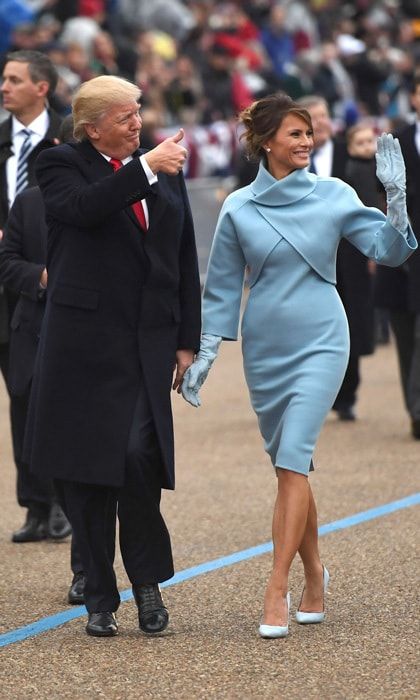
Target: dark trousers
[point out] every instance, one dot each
(346, 397)
(144, 539)
(406, 329)
(33, 493)
(75, 558)
(4, 360)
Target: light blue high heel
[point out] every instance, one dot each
(312, 618)
(276, 631)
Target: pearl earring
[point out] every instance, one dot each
(268, 150)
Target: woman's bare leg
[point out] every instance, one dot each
(289, 523)
(312, 599)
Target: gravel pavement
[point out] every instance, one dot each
(368, 646)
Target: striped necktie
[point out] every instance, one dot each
(22, 165)
(137, 207)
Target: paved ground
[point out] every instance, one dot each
(367, 648)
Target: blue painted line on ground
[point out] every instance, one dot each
(53, 621)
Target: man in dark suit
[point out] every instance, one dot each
(354, 283)
(23, 254)
(29, 79)
(398, 290)
(123, 309)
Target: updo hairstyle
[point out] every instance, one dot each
(262, 119)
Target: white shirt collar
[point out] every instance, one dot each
(323, 157)
(124, 162)
(38, 126)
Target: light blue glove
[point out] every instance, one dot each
(390, 170)
(196, 374)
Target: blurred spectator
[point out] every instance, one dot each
(329, 158)
(183, 96)
(12, 14)
(398, 290)
(225, 92)
(277, 41)
(29, 80)
(332, 80)
(202, 60)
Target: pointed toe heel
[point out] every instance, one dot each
(313, 618)
(276, 631)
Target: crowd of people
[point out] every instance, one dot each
(313, 83)
(198, 62)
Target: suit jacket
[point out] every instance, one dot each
(6, 301)
(23, 254)
(120, 303)
(354, 281)
(313, 214)
(399, 289)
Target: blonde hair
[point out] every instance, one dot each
(96, 96)
(262, 119)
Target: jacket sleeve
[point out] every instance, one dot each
(224, 283)
(70, 198)
(16, 273)
(189, 285)
(368, 229)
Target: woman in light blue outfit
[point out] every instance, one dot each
(285, 227)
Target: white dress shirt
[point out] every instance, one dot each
(323, 159)
(38, 129)
(151, 177)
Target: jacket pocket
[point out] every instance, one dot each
(76, 297)
(160, 307)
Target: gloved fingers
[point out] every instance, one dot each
(191, 397)
(196, 375)
(190, 376)
(380, 146)
(397, 152)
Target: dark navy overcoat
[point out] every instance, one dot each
(120, 303)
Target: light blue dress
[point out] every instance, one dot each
(295, 338)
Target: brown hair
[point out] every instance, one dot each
(353, 130)
(39, 67)
(262, 119)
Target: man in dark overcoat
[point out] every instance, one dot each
(123, 310)
(398, 289)
(29, 80)
(23, 254)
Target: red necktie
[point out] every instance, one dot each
(137, 207)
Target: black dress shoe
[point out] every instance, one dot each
(102, 624)
(58, 525)
(153, 616)
(34, 530)
(76, 590)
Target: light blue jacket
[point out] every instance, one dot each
(312, 213)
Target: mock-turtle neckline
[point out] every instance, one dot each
(269, 191)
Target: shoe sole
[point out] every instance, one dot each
(151, 632)
(61, 536)
(110, 633)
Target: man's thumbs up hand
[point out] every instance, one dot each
(168, 157)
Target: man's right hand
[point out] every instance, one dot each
(168, 157)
